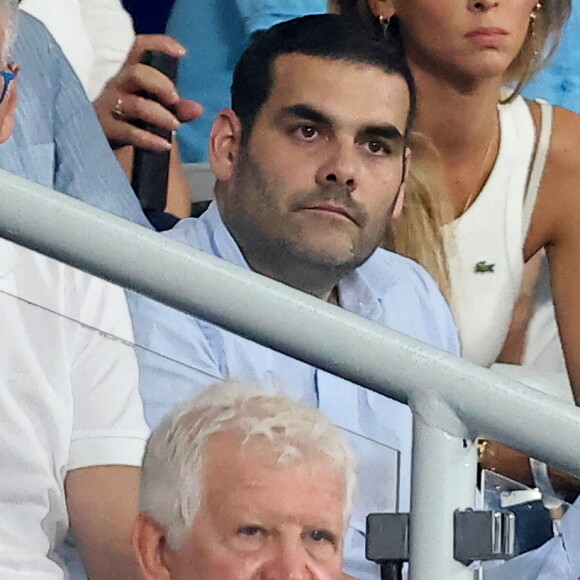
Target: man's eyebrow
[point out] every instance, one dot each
(305, 112)
(387, 131)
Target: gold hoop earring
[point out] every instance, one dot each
(530, 69)
(533, 39)
(535, 11)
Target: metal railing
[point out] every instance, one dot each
(453, 401)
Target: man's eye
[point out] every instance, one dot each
(321, 536)
(322, 544)
(306, 132)
(249, 538)
(377, 147)
(249, 531)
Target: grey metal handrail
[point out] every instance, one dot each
(453, 400)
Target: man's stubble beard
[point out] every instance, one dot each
(284, 257)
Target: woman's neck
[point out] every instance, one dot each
(463, 125)
(454, 117)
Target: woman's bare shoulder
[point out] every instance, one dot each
(563, 162)
(558, 201)
(565, 144)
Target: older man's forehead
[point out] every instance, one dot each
(235, 467)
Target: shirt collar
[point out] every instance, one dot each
(219, 241)
(355, 293)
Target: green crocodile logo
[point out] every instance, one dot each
(483, 267)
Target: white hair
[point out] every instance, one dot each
(171, 480)
(9, 10)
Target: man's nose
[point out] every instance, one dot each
(288, 561)
(340, 168)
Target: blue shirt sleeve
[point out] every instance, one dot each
(175, 358)
(262, 14)
(58, 140)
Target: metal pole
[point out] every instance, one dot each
(385, 361)
(447, 394)
(443, 480)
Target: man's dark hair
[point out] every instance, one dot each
(330, 36)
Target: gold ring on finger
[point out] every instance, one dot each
(118, 110)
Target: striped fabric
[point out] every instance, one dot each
(57, 140)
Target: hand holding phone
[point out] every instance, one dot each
(166, 64)
(150, 167)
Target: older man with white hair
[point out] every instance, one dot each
(72, 431)
(239, 484)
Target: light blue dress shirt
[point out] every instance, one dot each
(57, 139)
(559, 82)
(215, 33)
(558, 559)
(388, 289)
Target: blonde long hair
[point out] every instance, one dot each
(544, 33)
(418, 233)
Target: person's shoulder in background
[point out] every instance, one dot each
(57, 140)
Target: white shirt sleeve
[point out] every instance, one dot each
(110, 30)
(63, 20)
(109, 426)
(95, 36)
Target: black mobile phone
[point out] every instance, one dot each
(151, 168)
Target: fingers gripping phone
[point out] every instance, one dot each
(151, 168)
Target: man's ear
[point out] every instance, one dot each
(382, 8)
(224, 144)
(151, 548)
(7, 112)
(400, 200)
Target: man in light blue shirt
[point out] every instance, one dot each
(311, 163)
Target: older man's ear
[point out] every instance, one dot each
(152, 552)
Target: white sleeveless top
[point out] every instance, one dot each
(487, 271)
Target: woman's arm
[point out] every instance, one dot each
(514, 345)
(556, 226)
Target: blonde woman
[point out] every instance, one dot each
(509, 168)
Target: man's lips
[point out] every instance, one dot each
(334, 209)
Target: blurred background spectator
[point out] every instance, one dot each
(104, 54)
(215, 32)
(95, 35)
(149, 16)
(559, 83)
